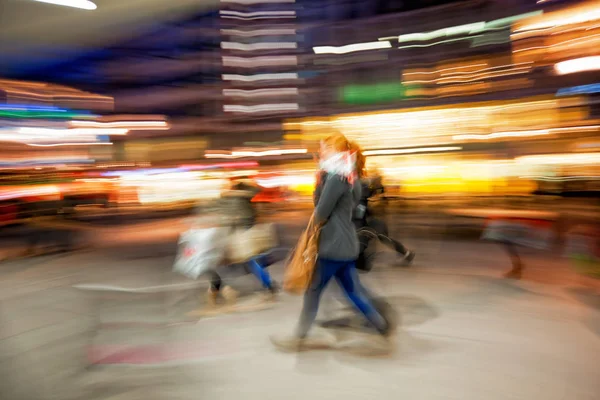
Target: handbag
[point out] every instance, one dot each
(301, 263)
(243, 244)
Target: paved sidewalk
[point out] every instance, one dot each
(466, 334)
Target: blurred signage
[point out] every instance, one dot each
(373, 93)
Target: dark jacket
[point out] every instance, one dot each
(369, 188)
(238, 202)
(335, 199)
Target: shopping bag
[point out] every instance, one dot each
(302, 261)
(199, 251)
(243, 244)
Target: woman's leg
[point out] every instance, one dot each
(214, 289)
(324, 271)
(215, 280)
(348, 280)
(263, 276)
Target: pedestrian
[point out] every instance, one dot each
(243, 215)
(237, 211)
(336, 195)
(368, 227)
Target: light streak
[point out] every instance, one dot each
(386, 152)
(583, 89)
(265, 153)
(351, 48)
(261, 108)
(471, 76)
(74, 131)
(257, 14)
(129, 125)
(260, 77)
(579, 16)
(421, 46)
(241, 164)
(82, 4)
(70, 144)
(279, 181)
(258, 32)
(584, 64)
(566, 43)
(255, 18)
(466, 29)
(260, 92)
(560, 159)
(497, 135)
(258, 46)
(252, 62)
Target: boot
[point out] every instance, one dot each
(230, 295)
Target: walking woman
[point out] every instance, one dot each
(335, 197)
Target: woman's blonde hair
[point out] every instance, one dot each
(340, 143)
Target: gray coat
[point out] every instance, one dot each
(335, 200)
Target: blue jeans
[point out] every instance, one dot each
(257, 267)
(346, 276)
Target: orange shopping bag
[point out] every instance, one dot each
(302, 261)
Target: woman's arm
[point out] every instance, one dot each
(333, 189)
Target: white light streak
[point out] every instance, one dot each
(82, 4)
(260, 77)
(260, 92)
(130, 125)
(560, 159)
(265, 153)
(351, 48)
(583, 64)
(261, 108)
(385, 152)
(258, 46)
(70, 144)
(257, 14)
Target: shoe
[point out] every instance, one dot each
(408, 258)
(269, 296)
(230, 295)
(211, 297)
(289, 343)
(274, 289)
(370, 346)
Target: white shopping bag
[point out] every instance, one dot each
(199, 251)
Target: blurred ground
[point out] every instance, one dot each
(466, 332)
